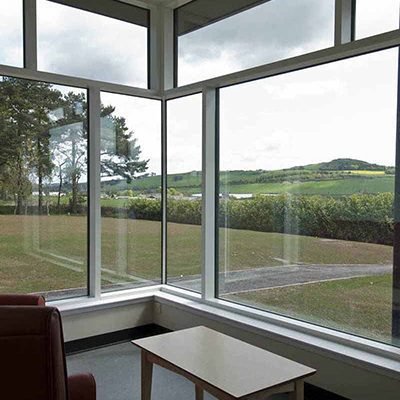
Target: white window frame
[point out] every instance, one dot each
(161, 80)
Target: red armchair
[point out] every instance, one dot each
(22, 300)
(32, 361)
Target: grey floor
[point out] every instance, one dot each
(117, 372)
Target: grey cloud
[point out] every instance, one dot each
(81, 51)
(11, 49)
(265, 32)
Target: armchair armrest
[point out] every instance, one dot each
(82, 387)
(21, 300)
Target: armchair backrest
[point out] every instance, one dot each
(32, 359)
(22, 300)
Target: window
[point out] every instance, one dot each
(43, 188)
(374, 17)
(130, 191)
(306, 193)
(80, 43)
(216, 39)
(11, 33)
(184, 190)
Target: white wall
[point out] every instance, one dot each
(96, 322)
(338, 376)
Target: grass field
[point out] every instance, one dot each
(49, 252)
(360, 306)
(328, 188)
(367, 173)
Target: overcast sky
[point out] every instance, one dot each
(346, 109)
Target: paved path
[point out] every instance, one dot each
(286, 275)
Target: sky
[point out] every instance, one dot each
(297, 118)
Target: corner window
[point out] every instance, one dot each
(75, 42)
(224, 37)
(184, 191)
(130, 191)
(43, 188)
(307, 171)
(374, 17)
(11, 33)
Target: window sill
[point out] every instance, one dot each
(359, 352)
(120, 298)
(363, 353)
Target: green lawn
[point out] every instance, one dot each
(360, 306)
(49, 252)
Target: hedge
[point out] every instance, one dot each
(359, 217)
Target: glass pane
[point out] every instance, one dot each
(130, 191)
(184, 191)
(79, 43)
(11, 33)
(256, 36)
(373, 17)
(43, 188)
(307, 181)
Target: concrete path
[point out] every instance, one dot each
(286, 275)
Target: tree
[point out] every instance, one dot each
(69, 146)
(44, 136)
(120, 153)
(24, 136)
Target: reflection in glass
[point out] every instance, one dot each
(130, 191)
(11, 33)
(374, 17)
(80, 43)
(252, 37)
(184, 188)
(306, 194)
(43, 188)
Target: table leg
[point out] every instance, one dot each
(199, 393)
(298, 393)
(147, 376)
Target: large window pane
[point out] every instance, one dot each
(43, 188)
(373, 17)
(84, 44)
(11, 33)
(269, 32)
(184, 191)
(307, 181)
(130, 191)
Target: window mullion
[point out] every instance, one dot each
(30, 34)
(94, 250)
(344, 21)
(396, 247)
(208, 192)
(161, 48)
(164, 191)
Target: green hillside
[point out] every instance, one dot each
(337, 177)
(344, 164)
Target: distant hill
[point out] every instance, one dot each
(370, 177)
(342, 164)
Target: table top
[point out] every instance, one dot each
(229, 364)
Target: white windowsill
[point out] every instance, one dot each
(374, 356)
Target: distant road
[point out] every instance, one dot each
(286, 275)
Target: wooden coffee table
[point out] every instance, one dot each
(225, 367)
